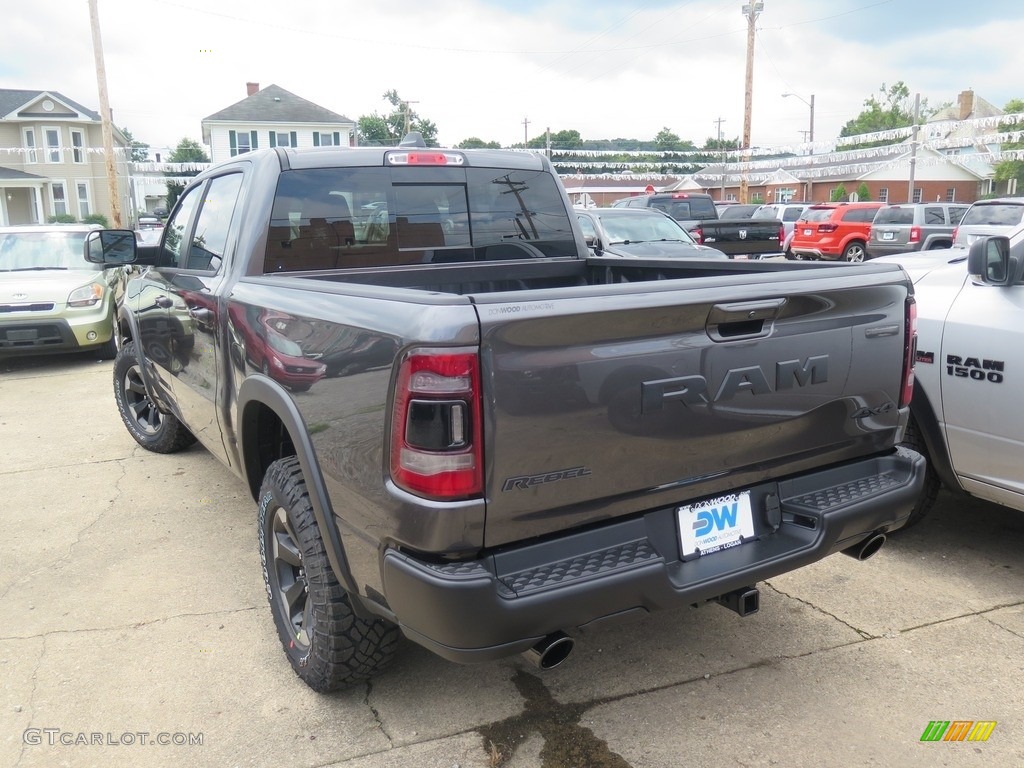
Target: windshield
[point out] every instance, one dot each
(43, 251)
(641, 229)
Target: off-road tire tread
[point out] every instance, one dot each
(344, 649)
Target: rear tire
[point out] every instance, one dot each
(855, 252)
(328, 646)
(913, 440)
(153, 429)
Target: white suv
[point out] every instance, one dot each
(788, 214)
(997, 216)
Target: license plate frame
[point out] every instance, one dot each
(715, 524)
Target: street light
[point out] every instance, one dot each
(810, 132)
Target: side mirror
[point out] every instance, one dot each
(112, 247)
(989, 262)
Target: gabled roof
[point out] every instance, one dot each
(14, 103)
(275, 104)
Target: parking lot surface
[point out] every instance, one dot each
(134, 631)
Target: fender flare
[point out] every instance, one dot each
(267, 392)
(938, 453)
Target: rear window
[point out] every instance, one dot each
(1006, 214)
(765, 213)
(343, 218)
(894, 216)
(686, 208)
(818, 214)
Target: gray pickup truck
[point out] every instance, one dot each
(459, 425)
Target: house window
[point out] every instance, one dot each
(918, 194)
(242, 142)
(784, 195)
(77, 146)
(53, 148)
(29, 135)
(325, 139)
(1011, 187)
(883, 195)
(59, 198)
(82, 190)
(951, 195)
(283, 139)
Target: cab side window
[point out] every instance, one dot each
(209, 241)
(177, 228)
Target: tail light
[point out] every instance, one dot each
(698, 235)
(782, 233)
(828, 227)
(915, 235)
(909, 352)
(436, 434)
(955, 230)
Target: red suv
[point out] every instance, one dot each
(834, 231)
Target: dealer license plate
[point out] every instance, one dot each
(888, 235)
(715, 524)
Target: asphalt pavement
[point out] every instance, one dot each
(135, 631)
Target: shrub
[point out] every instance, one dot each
(62, 218)
(96, 218)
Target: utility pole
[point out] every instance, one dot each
(547, 140)
(721, 147)
(105, 122)
(407, 115)
(526, 135)
(913, 147)
(751, 10)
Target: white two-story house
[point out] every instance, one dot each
(273, 117)
(52, 161)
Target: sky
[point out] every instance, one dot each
(480, 68)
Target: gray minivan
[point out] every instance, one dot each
(910, 227)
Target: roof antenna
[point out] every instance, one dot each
(413, 139)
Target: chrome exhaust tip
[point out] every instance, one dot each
(551, 651)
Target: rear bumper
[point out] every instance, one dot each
(891, 249)
(504, 603)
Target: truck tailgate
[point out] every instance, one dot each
(601, 405)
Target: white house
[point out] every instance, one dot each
(273, 117)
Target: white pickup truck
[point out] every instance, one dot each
(966, 412)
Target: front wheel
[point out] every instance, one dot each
(855, 252)
(328, 646)
(153, 429)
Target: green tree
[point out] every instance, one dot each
(388, 130)
(1006, 170)
(474, 143)
(187, 151)
(838, 194)
(568, 139)
(667, 141)
(893, 108)
(138, 151)
(863, 193)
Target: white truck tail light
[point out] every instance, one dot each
(909, 352)
(436, 434)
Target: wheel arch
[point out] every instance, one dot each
(270, 428)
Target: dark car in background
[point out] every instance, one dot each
(911, 227)
(640, 233)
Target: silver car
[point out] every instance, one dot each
(51, 298)
(788, 214)
(997, 216)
